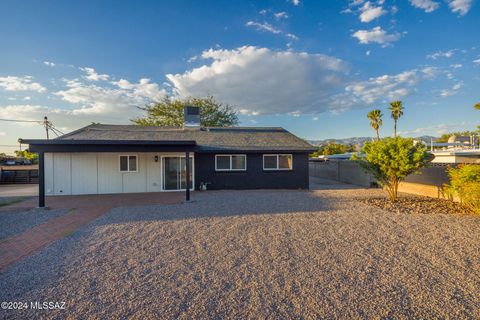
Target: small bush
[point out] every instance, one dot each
(465, 184)
(391, 160)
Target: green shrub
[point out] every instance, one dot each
(465, 184)
(392, 159)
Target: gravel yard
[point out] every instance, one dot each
(419, 205)
(257, 254)
(15, 220)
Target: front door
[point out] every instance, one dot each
(174, 173)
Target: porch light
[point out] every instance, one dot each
(156, 158)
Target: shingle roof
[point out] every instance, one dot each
(207, 139)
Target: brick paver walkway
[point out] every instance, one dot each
(84, 209)
(21, 245)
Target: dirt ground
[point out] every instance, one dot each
(258, 254)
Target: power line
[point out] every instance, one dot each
(48, 125)
(55, 130)
(16, 120)
(58, 130)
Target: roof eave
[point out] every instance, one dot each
(109, 142)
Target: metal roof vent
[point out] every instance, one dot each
(191, 117)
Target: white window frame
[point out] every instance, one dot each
(128, 163)
(230, 155)
(277, 156)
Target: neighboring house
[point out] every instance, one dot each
(458, 149)
(102, 159)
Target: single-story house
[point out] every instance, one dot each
(105, 159)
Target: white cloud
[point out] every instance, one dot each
(269, 28)
(116, 101)
(458, 65)
(370, 12)
(263, 81)
(281, 15)
(380, 89)
(49, 63)
(441, 54)
(429, 72)
(394, 10)
(354, 3)
(12, 83)
(426, 5)
(27, 98)
(3, 133)
(376, 35)
(457, 86)
(92, 75)
(263, 12)
(450, 92)
(291, 36)
(263, 27)
(144, 88)
(296, 2)
(477, 61)
(435, 129)
(460, 6)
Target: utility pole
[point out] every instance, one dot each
(46, 124)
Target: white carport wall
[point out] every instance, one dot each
(79, 173)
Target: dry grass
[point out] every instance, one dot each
(257, 255)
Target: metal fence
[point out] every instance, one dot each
(343, 171)
(434, 175)
(349, 172)
(18, 176)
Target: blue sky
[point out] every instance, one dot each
(313, 67)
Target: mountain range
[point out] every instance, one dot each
(360, 141)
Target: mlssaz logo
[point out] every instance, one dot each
(47, 305)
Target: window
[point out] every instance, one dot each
(285, 161)
(230, 162)
(270, 162)
(239, 162)
(128, 163)
(277, 162)
(222, 163)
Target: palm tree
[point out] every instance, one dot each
(397, 111)
(375, 117)
(477, 106)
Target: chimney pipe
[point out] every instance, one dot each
(191, 116)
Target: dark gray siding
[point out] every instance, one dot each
(255, 177)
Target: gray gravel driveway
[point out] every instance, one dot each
(257, 254)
